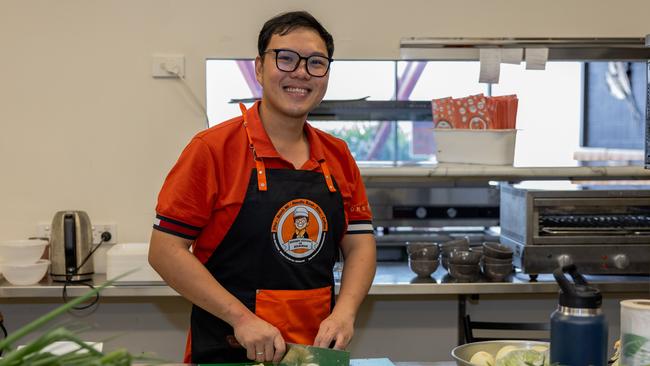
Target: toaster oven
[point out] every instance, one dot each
(602, 231)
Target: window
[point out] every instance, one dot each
(552, 105)
(615, 104)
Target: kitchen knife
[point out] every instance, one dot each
(300, 355)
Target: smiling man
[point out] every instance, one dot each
(235, 196)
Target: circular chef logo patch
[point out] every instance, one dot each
(299, 230)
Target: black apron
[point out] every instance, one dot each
(284, 278)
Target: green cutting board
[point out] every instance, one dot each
(355, 362)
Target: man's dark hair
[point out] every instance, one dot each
(284, 23)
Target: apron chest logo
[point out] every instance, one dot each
(299, 229)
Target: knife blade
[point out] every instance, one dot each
(301, 355)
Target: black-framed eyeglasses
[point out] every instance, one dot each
(289, 60)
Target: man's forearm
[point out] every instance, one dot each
(358, 273)
(170, 257)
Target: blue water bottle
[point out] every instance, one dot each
(578, 326)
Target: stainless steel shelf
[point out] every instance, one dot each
(499, 173)
(560, 49)
(372, 110)
(394, 279)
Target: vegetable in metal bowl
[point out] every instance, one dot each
(522, 353)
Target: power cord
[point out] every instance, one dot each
(177, 72)
(4, 330)
(105, 237)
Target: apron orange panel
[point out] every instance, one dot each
(297, 313)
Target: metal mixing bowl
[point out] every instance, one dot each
(462, 354)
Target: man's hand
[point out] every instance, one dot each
(335, 328)
(359, 251)
(262, 341)
(170, 257)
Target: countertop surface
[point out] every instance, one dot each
(392, 278)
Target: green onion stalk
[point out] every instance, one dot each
(85, 355)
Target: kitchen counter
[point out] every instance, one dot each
(392, 278)
(405, 318)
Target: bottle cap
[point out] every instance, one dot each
(579, 294)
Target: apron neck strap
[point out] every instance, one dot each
(328, 176)
(259, 163)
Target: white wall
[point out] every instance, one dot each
(83, 125)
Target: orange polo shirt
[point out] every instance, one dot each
(205, 189)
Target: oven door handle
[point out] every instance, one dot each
(604, 231)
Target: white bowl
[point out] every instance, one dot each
(25, 274)
(22, 251)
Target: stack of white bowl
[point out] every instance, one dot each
(21, 263)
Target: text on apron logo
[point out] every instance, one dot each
(299, 229)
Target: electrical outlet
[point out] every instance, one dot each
(100, 228)
(168, 66)
(44, 230)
